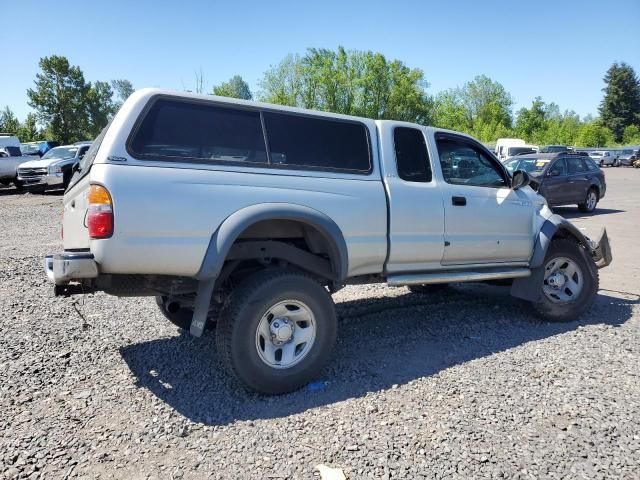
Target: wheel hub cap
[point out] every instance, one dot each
(281, 330)
(557, 280)
(285, 334)
(563, 280)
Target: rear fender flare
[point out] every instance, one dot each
(231, 228)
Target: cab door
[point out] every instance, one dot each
(416, 214)
(485, 220)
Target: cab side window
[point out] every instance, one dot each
(412, 157)
(465, 164)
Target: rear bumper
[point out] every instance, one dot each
(63, 268)
(601, 250)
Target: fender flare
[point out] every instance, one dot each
(526, 288)
(548, 230)
(231, 228)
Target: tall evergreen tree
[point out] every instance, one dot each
(620, 106)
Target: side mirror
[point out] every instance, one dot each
(75, 168)
(520, 179)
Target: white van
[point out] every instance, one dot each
(503, 144)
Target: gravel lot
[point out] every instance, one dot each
(461, 384)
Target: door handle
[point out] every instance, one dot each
(459, 201)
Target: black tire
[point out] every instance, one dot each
(19, 185)
(568, 311)
(242, 314)
(427, 289)
(181, 318)
(584, 206)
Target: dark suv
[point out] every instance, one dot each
(563, 178)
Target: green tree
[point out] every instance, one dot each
(531, 123)
(122, 90)
(620, 106)
(100, 107)
(487, 101)
(28, 131)
(594, 135)
(481, 108)
(59, 98)
(349, 82)
(631, 135)
(449, 112)
(236, 87)
(8, 121)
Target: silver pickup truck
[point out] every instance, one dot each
(247, 216)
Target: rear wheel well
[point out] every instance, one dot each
(281, 243)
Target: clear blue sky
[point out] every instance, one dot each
(558, 50)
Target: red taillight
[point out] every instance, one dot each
(99, 213)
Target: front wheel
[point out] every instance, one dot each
(569, 285)
(276, 331)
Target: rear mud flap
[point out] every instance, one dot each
(201, 308)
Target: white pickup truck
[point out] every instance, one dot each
(250, 215)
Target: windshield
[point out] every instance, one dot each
(61, 152)
(535, 165)
(627, 152)
(595, 154)
(29, 149)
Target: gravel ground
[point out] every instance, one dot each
(465, 383)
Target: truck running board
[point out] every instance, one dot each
(454, 277)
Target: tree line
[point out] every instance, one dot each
(361, 83)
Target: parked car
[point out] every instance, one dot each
(38, 148)
(9, 140)
(628, 156)
(53, 170)
(604, 158)
(563, 178)
(10, 158)
(251, 214)
(555, 149)
(515, 151)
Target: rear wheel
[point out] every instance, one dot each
(590, 201)
(570, 284)
(277, 331)
(19, 185)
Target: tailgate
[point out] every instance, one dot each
(76, 234)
